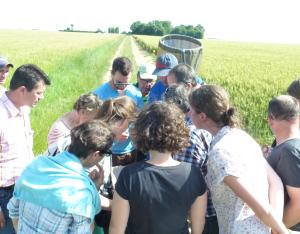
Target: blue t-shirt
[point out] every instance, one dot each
(105, 91)
(156, 92)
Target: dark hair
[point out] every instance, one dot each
(122, 65)
(294, 89)
(113, 110)
(213, 100)
(28, 75)
(184, 74)
(283, 107)
(160, 126)
(90, 137)
(178, 95)
(88, 102)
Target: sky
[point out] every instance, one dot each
(274, 21)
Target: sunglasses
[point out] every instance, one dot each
(117, 84)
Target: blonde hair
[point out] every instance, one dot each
(113, 110)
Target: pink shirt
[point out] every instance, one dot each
(16, 138)
(58, 130)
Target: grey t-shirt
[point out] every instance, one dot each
(159, 197)
(285, 160)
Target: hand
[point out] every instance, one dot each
(97, 176)
(2, 220)
(266, 149)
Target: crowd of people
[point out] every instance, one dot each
(164, 155)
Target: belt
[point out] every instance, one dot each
(10, 187)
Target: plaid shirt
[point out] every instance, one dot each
(16, 139)
(37, 219)
(196, 154)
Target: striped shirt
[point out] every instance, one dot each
(37, 219)
(16, 138)
(196, 154)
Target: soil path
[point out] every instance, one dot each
(117, 54)
(140, 55)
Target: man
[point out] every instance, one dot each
(164, 63)
(119, 83)
(283, 119)
(4, 72)
(56, 194)
(145, 80)
(27, 87)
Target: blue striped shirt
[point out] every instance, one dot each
(196, 154)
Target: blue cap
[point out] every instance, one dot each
(4, 62)
(164, 63)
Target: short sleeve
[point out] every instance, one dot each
(222, 163)
(288, 168)
(201, 185)
(122, 185)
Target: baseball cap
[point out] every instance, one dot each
(4, 62)
(145, 72)
(164, 63)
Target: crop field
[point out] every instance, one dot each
(252, 73)
(75, 63)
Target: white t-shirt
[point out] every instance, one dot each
(235, 153)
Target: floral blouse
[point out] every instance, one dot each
(234, 153)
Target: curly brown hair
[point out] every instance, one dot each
(161, 127)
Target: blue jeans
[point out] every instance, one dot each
(5, 195)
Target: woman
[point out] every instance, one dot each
(118, 113)
(155, 196)
(86, 108)
(247, 194)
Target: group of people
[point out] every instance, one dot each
(172, 152)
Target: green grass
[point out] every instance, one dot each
(252, 73)
(75, 63)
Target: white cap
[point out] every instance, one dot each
(146, 70)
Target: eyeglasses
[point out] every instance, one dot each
(119, 84)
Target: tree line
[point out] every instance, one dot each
(160, 28)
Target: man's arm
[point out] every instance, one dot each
(291, 214)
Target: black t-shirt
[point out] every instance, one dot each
(159, 197)
(285, 160)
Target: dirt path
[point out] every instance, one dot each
(117, 54)
(140, 55)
